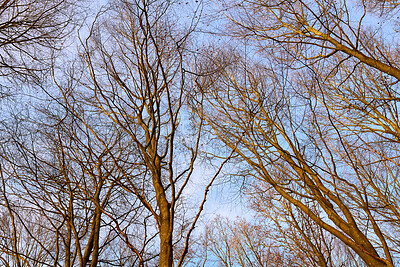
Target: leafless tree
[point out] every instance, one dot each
(241, 243)
(31, 31)
(136, 82)
(316, 118)
(57, 186)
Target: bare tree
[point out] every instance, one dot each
(136, 82)
(317, 120)
(241, 243)
(98, 168)
(56, 187)
(30, 33)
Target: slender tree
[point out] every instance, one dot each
(136, 82)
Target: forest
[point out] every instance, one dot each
(130, 129)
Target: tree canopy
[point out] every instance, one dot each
(110, 156)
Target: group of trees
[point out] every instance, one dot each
(295, 104)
